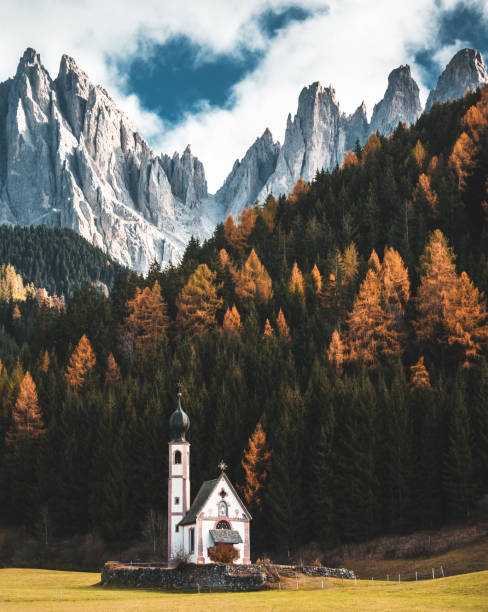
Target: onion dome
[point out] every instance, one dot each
(179, 423)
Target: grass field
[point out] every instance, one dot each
(40, 590)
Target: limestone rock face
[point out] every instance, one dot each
(69, 157)
(248, 176)
(466, 70)
(401, 102)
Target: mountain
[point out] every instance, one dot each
(466, 70)
(69, 157)
(248, 176)
(401, 102)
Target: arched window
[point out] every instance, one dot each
(223, 525)
(177, 457)
(222, 508)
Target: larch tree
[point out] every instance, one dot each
(112, 374)
(230, 229)
(335, 352)
(268, 330)
(350, 159)
(463, 159)
(147, 318)
(466, 320)
(371, 329)
(374, 262)
(425, 194)
(198, 302)
(282, 326)
(232, 321)
(27, 422)
(419, 376)
(438, 280)
(255, 463)
(16, 314)
(81, 363)
(300, 188)
(396, 284)
(296, 286)
(419, 154)
(317, 280)
(253, 281)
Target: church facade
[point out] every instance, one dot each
(217, 517)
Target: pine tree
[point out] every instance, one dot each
(255, 463)
(81, 363)
(112, 374)
(282, 326)
(27, 421)
(232, 321)
(198, 302)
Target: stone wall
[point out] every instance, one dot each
(210, 576)
(186, 577)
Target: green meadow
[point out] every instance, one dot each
(42, 590)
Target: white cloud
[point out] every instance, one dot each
(353, 45)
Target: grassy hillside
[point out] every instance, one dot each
(36, 590)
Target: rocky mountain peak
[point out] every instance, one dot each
(401, 102)
(466, 70)
(186, 176)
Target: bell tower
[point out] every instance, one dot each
(178, 481)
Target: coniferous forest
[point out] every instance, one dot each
(332, 347)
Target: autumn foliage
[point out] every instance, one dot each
(253, 281)
(232, 321)
(198, 302)
(146, 320)
(419, 376)
(255, 463)
(112, 375)
(27, 421)
(81, 363)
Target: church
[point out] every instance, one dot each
(216, 522)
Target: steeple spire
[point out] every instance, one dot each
(179, 421)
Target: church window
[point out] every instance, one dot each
(177, 500)
(222, 509)
(177, 528)
(177, 457)
(192, 540)
(223, 525)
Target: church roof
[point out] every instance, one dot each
(203, 494)
(228, 536)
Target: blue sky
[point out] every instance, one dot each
(216, 73)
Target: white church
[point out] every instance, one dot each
(216, 518)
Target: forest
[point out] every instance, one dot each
(332, 346)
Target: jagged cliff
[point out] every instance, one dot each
(69, 157)
(466, 70)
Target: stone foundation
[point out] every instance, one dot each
(186, 577)
(190, 577)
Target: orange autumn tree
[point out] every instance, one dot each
(335, 352)
(282, 326)
(396, 284)
(238, 235)
(301, 187)
(419, 154)
(371, 329)
(466, 320)
(317, 280)
(438, 281)
(27, 422)
(253, 281)
(419, 376)
(146, 320)
(350, 159)
(81, 363)
(232, 321)
(255, 463)
(112, 374)
(198, 302)
(268, 330)
(424, 193)
(296, 286)
(374, 262)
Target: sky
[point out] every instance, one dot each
(216, 73)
